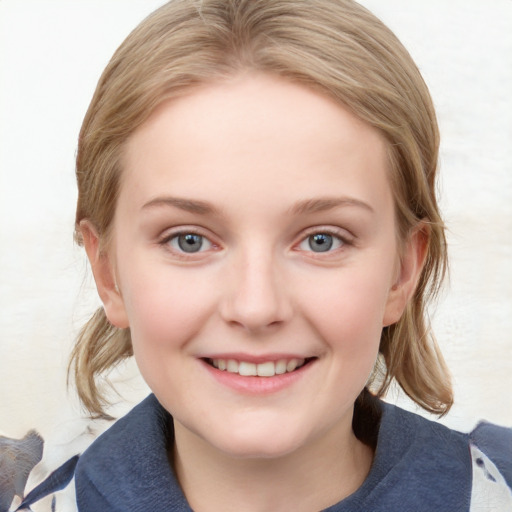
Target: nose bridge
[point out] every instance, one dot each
(257, 298)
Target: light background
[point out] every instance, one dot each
(51, 55)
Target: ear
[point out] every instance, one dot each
(104, 276)
(408, 273)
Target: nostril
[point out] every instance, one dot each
(255, 301)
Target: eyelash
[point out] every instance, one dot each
(343, 240)
(167, 240)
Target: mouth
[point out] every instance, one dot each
(263, 369)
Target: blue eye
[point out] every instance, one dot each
(190, 243)
(321, 242)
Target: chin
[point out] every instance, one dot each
(250, 449)
(262, 443)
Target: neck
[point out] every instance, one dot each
(311, 478)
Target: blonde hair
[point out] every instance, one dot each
(334, 46)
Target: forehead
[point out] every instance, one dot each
(255, 133)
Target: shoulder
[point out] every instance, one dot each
(120, 442)
(127, 467)
(491, 453)
(433, 458)
(417, 462)
(419, 438)
(496, 443)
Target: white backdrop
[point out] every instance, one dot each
(51, 55)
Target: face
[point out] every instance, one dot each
(255, 260)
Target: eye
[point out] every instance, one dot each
(321, 242)
(189, 243)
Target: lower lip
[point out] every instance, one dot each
(252, 385)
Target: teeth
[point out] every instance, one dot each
(231, 366)
(281, 367)
(247, 369)
(291, 365)
(267, 369)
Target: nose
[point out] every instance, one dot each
(256, 298)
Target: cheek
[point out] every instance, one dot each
(349, 321)
(166, 309)
(348, 310)
(165, 314)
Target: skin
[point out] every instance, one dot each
(257, 165)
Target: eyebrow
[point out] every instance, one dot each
(302, 207)
(189, 205)
(328, 203)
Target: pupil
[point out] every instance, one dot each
(321, 242)
(190, 242)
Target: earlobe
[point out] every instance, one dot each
(104, 276)
(409, 271)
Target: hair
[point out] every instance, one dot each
(333, 46)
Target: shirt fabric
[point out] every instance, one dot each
(419, 465)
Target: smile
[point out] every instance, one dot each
(264, 369)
